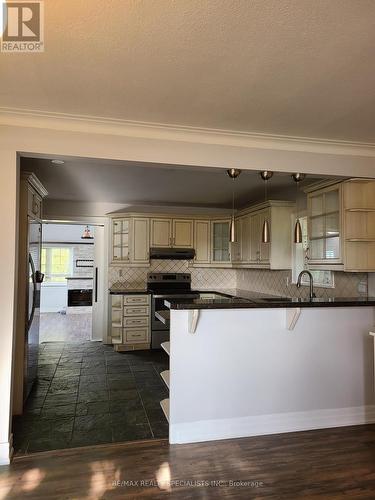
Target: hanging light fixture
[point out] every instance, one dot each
(233, 174)
(87, 234)
(266, 234)
(297, 177)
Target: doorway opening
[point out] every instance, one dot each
(67, 262)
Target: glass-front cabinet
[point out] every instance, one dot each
(120, 239)
(220, 241)
(324, 208)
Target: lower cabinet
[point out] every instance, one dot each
(130, 322)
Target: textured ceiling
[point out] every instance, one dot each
(295, 67)
(154, 184)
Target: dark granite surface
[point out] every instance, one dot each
(79, 278)
(124, 291)
(241, 299)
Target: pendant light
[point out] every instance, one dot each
(266, 234)
(87, 234)
(297, 177)
(233, 174)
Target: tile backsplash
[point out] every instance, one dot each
(201, 278)
(280, 283)
(259, 280)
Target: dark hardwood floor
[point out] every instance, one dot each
(327, 464)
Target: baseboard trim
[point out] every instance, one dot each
(210, 430)
(6, 452)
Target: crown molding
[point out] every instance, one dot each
(17, 117)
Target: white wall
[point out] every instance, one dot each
(242, 373)
(8, 289)
(61, 233)
(43, 134)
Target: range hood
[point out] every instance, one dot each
(172, 253)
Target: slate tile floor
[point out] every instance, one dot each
(87, 394)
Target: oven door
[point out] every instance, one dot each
(158, 305)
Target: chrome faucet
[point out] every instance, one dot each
(312, 294)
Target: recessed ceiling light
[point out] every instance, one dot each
(58, 162)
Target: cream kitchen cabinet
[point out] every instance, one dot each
(183, 233)
(202, 239)
(259, 251)
(140, 241)
(172, 233)
(359, 225)
(273, 255)
(120, 240)
(130, 240)
(130, 324)
(325, 227)
(220, 247)
(342, 226)
(161, 233)
(245, 239)
(34, 203)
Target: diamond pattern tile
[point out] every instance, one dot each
(259, 280)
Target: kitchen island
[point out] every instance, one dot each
(244, 365)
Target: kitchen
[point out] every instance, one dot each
(339, 218)
(180, 277)
(222, 154)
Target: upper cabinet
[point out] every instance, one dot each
(324, 223)
(220, 249)
(34, 203)
(130, 240)
(172, 233)
(202, 237)
(161, 233)
(183, 233)
(359, 225)
(133, 235)
(140, 241)
(275, 254)
(120, 240)
(244, 230)
(342, 226)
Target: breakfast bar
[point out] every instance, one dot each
(246, 364)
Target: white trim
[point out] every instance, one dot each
(6, 452)
(210, 430)
(17, 117)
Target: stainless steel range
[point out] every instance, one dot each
(165, 286)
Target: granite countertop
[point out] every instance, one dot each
(241, 299)
(79, 278)
(124, 291)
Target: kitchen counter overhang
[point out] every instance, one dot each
(238, 299)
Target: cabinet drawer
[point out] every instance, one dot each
(136, 311)
(135, 299)
(135, 321)
(135, 335)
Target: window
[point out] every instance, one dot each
(57, 263)
(322, 279)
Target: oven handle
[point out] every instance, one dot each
(170, 296)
